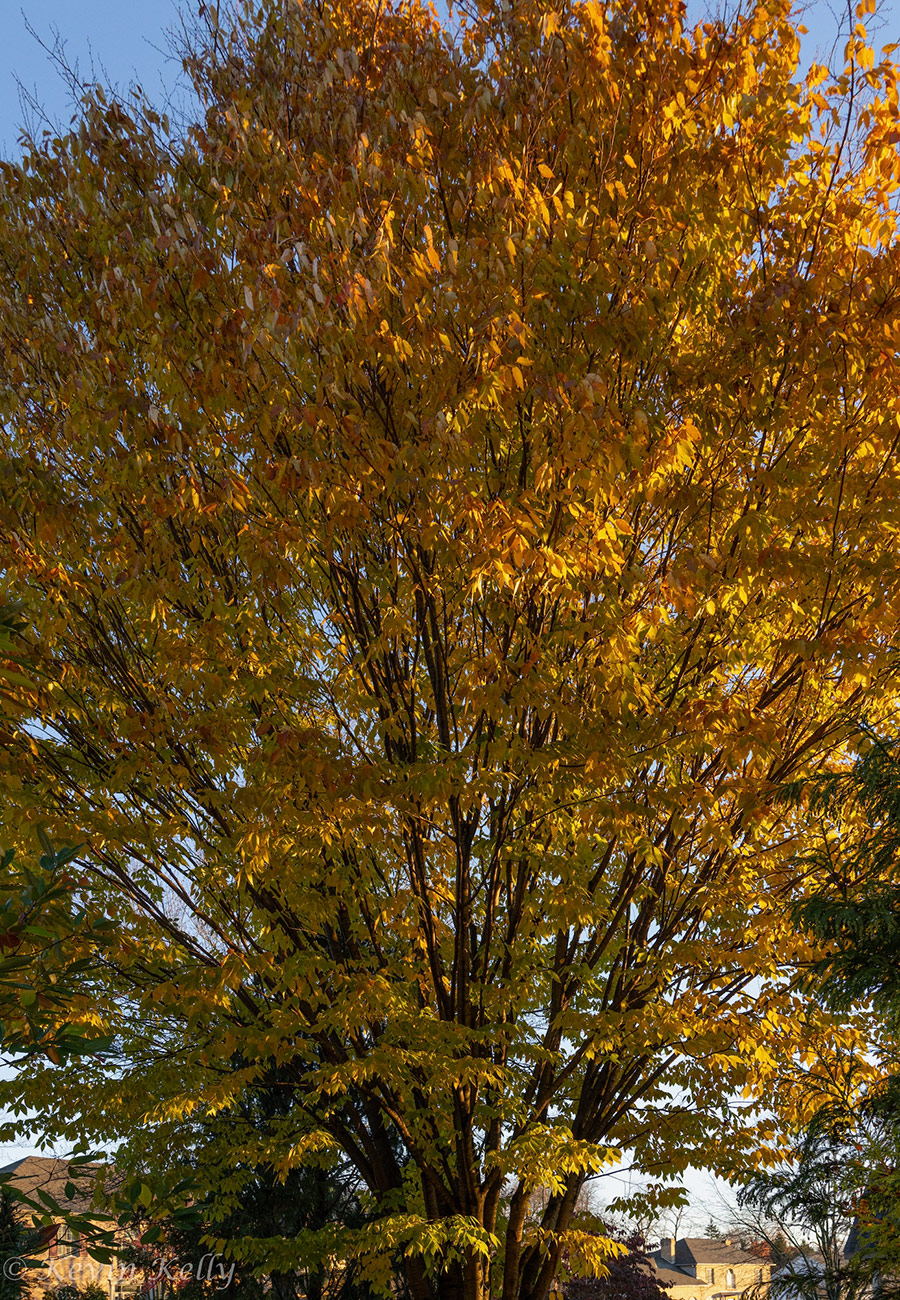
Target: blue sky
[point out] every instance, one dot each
(116, 42)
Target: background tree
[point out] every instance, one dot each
(856, 912)
(17, 1242)
(857, 908)
(248, 1199)
(808, 1210)
(91, 1291)
(781, 1249)
(455, 487)
(629, 1274)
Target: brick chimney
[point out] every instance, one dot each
(668, 1248)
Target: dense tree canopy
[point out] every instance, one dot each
(454, 486)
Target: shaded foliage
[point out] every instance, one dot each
(629, 1275)
(257, 1203)
(17, 1242)
(857, 911)
(816, 1212)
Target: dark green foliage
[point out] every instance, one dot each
(261, 1205)
(856, 911)
(16, 1241)
(309, 1199)
(91, 1291)
(782, 1252)
(816, 1210)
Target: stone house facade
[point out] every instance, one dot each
(62, 1255)
(707, 1268)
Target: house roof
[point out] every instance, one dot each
(690, 1251)
(669, 1276)
(49, 1175)
(802, 1265)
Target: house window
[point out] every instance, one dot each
(68, 1241)
(759, 1277)
(710, 1275)
(729, 1279)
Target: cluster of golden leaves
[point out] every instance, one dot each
(454, 486)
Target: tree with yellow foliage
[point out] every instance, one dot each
(455, 486)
